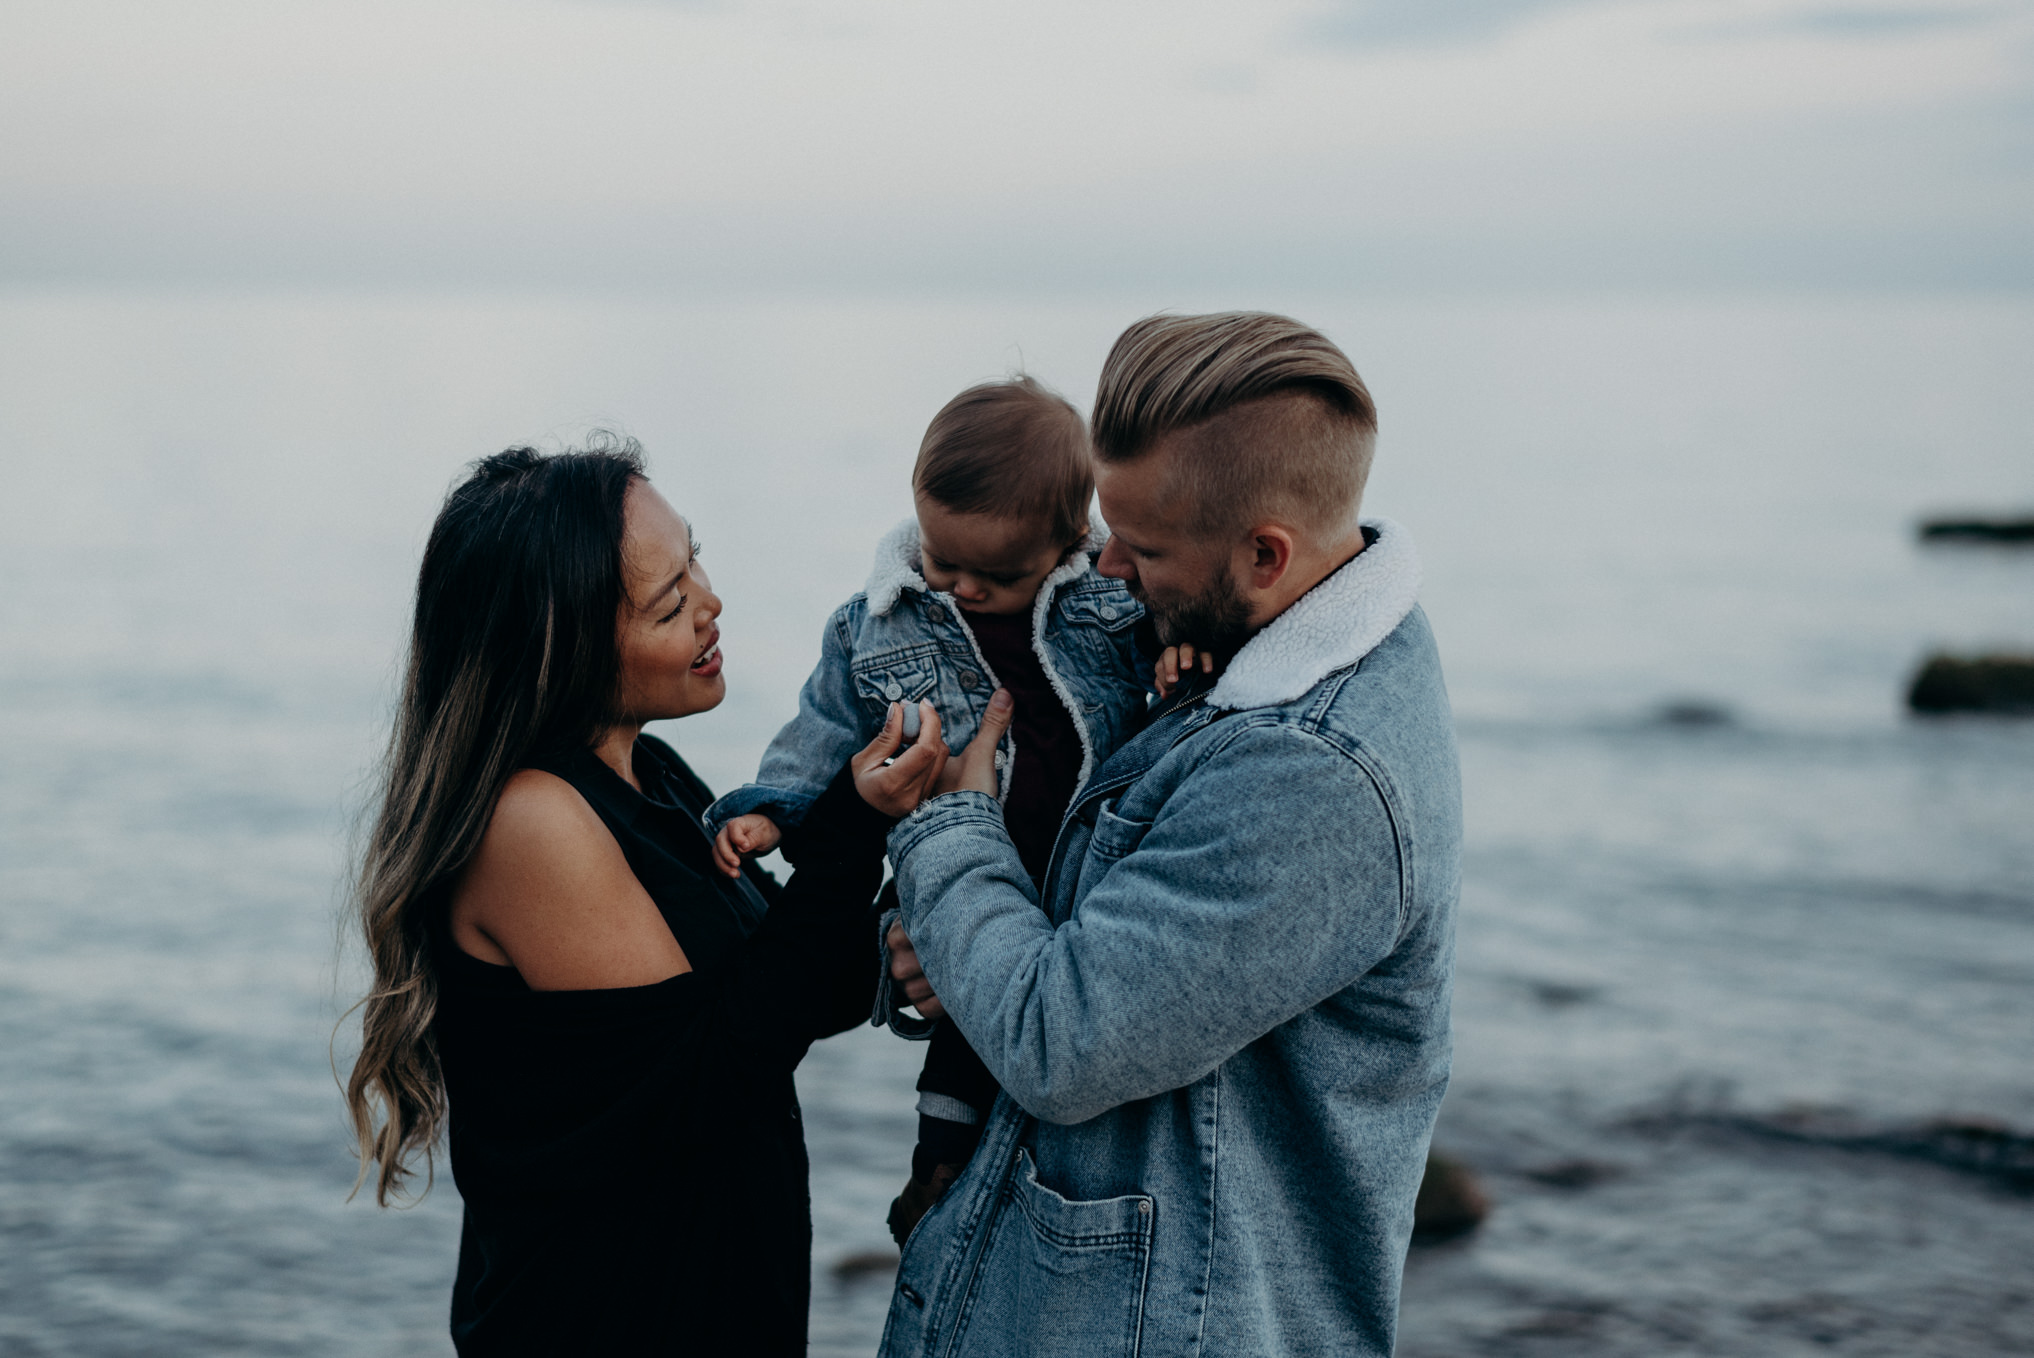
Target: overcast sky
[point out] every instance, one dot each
(1056, 144)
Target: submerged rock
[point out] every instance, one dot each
(2018, 530)
(1988, 683)
(1693, 712)
(1575, 1174)
(865, 1264)
(1451, 1203)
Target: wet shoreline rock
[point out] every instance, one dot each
(2018, 531)
(1451, 1202)
(1986, 683)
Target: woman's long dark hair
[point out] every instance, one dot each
(514, 653)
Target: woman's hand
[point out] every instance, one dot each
(974, 770)
(897, 787)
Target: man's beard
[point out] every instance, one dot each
(1217, 620)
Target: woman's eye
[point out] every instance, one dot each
(674, 612)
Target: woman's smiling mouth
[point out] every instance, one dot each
(708, 663)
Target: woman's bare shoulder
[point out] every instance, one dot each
(539, 809)
(550, 890)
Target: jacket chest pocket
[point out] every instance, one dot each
(1110, 611)
(1115, 835)
(1111, 839)
(1059, 1276)
(896, 681)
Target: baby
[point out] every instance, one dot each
(991, 585)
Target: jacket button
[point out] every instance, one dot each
(936, 613)
(1144, 1208)
(1108, 610)
(893, 690)
(968, 679)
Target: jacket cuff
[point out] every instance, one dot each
(947, 812)
(781, 805)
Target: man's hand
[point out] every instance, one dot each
(896, 787)
(906, 972)
(974, 769)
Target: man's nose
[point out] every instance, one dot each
(1114, 562)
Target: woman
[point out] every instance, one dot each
(608, 1025)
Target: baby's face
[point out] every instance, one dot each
(990, 564)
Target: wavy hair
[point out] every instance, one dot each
(513, 654)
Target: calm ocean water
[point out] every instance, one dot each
(1719, 981)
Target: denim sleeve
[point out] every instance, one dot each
(1269, 880)
(804, 756)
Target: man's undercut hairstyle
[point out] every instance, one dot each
(1274, 421)
(1014, 449)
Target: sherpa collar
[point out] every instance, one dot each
(897, 569)
(1333, 625)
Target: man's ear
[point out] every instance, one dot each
(1271, 551)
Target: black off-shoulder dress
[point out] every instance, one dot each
(633, 1161)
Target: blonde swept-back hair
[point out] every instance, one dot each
(1273, 418)
(1015, 448)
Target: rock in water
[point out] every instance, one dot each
(866, 1264)
(2016, 530)
(1991, 683)
(1451, 1202)
(1692, 712)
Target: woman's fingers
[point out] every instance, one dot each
(888, 739)
(895, 788)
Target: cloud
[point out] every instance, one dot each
(1418, 22)
(539, 142)
(1888, 22)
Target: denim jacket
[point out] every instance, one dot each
(899, 640)
(1224, 1041)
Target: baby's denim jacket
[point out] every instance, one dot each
(899, 640)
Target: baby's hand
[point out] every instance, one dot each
(1175, 661)
(744, 837)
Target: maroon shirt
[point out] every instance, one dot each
(1048, 745)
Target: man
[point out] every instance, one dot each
(1223, 1040)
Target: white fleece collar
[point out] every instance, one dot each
(897, 568)
(1333, 625)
